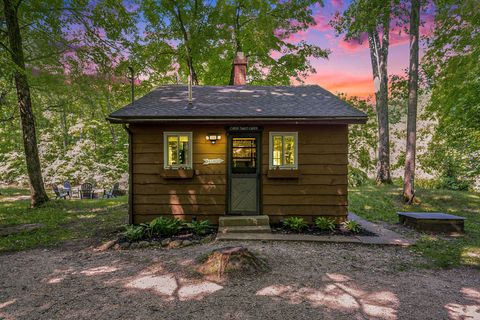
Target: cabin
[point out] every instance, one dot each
(215, 151)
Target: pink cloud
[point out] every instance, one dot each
(352, 46)
(321, 23)
(337, 4)
(297, 37)
(350, 84)
(398, 36)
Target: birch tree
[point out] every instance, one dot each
(409, 175)
(372, 18)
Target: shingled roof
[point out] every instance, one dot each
(216, 103)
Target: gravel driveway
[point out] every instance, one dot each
(307, 281)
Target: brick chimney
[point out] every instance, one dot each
(240, 70)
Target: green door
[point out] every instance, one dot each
(244, 173)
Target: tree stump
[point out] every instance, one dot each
(232, 260)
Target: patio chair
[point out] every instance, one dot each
(86, 191)
(59, 194)
(113, 193)
(67, 187)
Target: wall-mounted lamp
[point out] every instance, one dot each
(213, 137)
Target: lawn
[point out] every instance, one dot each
(61, 220)
(86, 219)
(381, 203)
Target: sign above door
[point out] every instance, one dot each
(244, 128)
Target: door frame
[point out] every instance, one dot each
(240, 132)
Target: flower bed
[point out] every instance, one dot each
(165, 232)
(323, 227)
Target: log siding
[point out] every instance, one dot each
(319, 189)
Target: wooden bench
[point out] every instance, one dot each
(432, 221)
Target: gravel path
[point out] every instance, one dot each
(307, 281)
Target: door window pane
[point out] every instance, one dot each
(244, 155)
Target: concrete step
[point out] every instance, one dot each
(244, 229)
(260, 220)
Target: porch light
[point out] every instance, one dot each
(213, 137)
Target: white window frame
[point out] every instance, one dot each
(270, 150)
(167, 134)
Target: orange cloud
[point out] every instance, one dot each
(350, 84)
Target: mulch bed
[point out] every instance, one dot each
(181, 239)
(311, 230)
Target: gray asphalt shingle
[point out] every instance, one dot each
(171, 101)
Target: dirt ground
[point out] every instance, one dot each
(307, 281)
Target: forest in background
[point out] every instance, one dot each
(77, 56)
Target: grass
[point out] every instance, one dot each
(62, 220)
(83, 219)
(381, 203)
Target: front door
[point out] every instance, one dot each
(244, 173)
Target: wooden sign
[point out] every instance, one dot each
(246, 129)
(212, 161)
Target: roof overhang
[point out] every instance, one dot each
(272, 120)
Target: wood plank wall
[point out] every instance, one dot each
(321, 188)
(203, 196)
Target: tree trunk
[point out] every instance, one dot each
(186, 39)
(112, 129)
(409, 176)
(238, 44)
(379, 57)
(37, 189)
(191, 68)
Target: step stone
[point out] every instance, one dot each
(260, 220)
(244, 229)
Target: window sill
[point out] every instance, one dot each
(283, 174)
(177, 173)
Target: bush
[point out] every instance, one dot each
(134, 233)
(324, 223)
(352, 226)
(357, 177)
(295, 224)
(163, 227)
(451, 181)
(200, 228)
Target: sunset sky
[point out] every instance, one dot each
(348, 69)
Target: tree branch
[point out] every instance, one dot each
(6, 48)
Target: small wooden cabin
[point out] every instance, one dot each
(238, 150)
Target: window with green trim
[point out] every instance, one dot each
(283, 150)
(177, 150)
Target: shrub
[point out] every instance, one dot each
(163, 227)
(295, 223)
(200, 228)
(352, 226)
(134, 233)
(324, 223)
(357, 177)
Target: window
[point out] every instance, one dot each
(177, 150)
(283, 150)
(244, 155)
